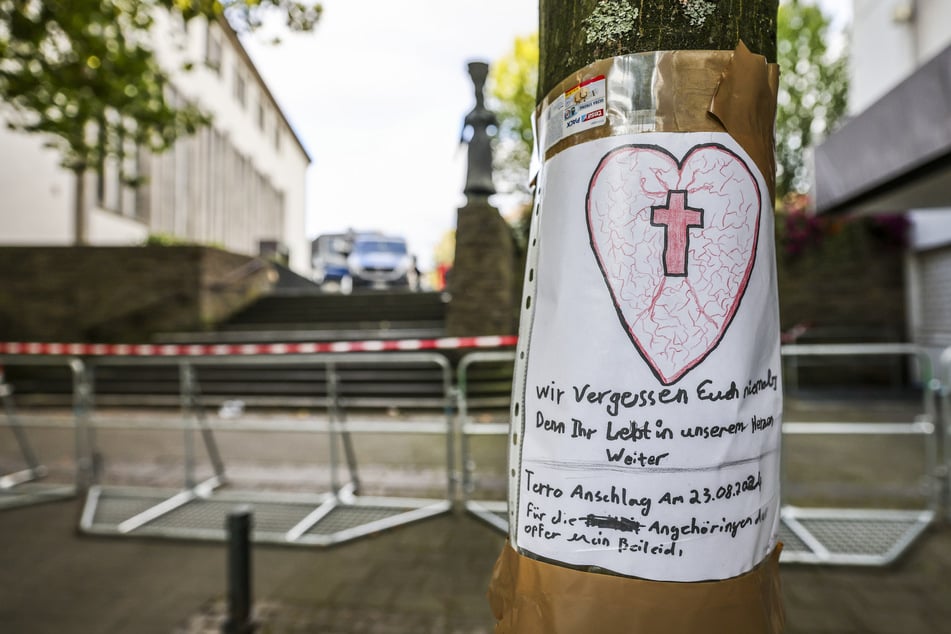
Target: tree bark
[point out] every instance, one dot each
(603, 195)
(574, 33)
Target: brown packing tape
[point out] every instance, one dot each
(695, 91)
(691, 91)
(532, 597)
(745, 103)
(684, 85)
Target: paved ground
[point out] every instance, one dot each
(430, 576)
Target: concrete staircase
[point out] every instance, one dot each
(304, 315)
(297, 314)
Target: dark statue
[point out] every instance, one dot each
(477, 122)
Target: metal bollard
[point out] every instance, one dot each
(238, 524)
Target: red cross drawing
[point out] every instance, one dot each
(676, 218)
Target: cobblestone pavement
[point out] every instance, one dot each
(429, 576)
(426, 577)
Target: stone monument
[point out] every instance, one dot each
(483, 275)
(479, 168)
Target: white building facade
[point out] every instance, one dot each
(894, 154)
(891, 39)
(238, 183)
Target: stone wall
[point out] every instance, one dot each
(845, 284)
(848, 286)
(121, 294)
(483, 281)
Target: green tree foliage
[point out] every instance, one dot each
(813, 88)
(512, 86)
(512, 81)
(82, 71)
(812, 96)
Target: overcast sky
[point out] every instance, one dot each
(377, 95)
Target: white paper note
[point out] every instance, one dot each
(647, 402)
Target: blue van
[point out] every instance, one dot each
(379, 261)
(329, 258)
(344, 261)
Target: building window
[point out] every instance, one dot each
(277, 136)
(240, 86)
(117, 179)
(213, 48)
(141, 199)
(261, 114)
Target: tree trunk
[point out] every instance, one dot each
(642, 247)
(80, 225)
(574, 33)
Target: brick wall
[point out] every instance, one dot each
(483, 278)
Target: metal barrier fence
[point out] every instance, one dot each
(198, 509)
(494, 512)
(321, 519)
(858, 536)
(814, 534)
(865, 536)
(27, 486)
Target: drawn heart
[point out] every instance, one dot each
(675, 241)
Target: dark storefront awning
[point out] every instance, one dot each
(896, 155)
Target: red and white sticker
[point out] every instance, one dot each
(582, 107)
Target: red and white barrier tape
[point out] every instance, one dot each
(206, 350)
